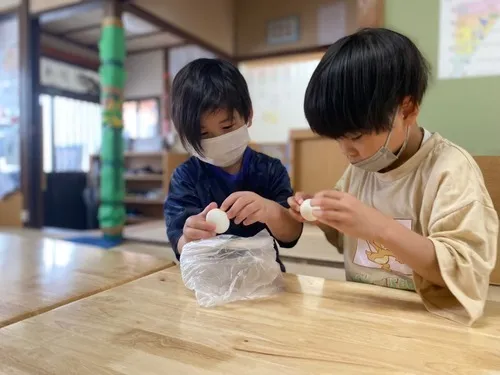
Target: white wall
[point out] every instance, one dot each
(9, 4)
(37, 5)
(178, 57)
(43, 5)
(144, 75)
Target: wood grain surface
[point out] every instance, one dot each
(154, 326)
(39, 273)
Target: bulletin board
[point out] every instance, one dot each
(277, 87)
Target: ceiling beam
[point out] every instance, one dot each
(145, 35)
(80, 29)
(70, 58)
(67, 11)
(166, 26)
(296, 51)
(151, 49)
(70, 40)
(8, 13)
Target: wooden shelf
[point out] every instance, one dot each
(144, 180)
(134, 154)
(139, 219)
(144, 177)
(139, 200)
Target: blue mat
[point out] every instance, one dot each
(102, 242)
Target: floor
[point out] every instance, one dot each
(312, 256)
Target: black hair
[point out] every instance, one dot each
(206, 85)
(360, 82)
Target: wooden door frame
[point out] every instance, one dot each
(30, 117)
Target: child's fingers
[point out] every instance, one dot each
(300, 197)
(246, 212)
(296, 215)
(325, 203)
(238, 206)
(328, 221)
(196, 222)
(292, 202)
(207, 209)
(198, 234)
(332, 194)
(232, 199)
(252, 219)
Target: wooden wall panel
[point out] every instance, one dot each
(10, 210)
(317, 163)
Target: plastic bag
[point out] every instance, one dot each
(228, 268)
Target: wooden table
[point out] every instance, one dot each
(154, 326)
(38, 274)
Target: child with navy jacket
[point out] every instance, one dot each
(212, 111)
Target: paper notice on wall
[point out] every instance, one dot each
(277, 90)
(469, 38)
(331, 21)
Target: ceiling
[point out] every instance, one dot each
(84, 29)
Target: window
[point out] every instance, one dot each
(10, 163)
(141, 118)
(72, 129)
(71, 133)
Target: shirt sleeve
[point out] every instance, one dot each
(463, 227)
(280, 191)
(181, 203)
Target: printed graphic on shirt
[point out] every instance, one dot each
(394, 282)
(374, 255)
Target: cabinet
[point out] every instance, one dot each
(147, 178)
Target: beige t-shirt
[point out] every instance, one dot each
(438, 193)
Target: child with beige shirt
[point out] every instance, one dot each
(411, 211)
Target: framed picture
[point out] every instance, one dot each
(283, 30)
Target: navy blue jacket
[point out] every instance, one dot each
(195, 184)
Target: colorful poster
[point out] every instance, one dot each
(469, 38)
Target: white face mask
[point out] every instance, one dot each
(383, 157)
(225, 150)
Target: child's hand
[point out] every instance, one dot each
(248, 208)
(197, 228)
(294, 202)
(349, 215)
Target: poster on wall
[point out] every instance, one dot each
(469, 38)
(331, 22)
